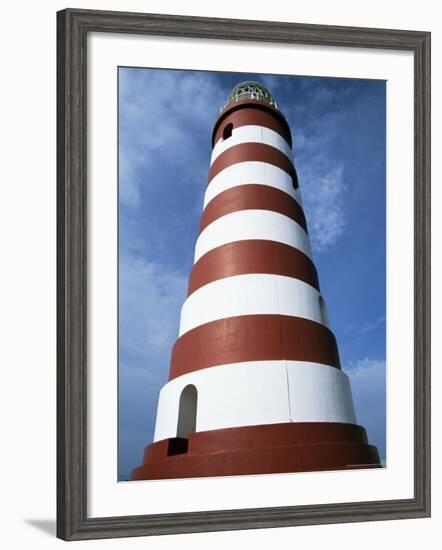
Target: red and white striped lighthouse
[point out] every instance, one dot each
(255, 383)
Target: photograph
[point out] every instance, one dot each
(251, 274)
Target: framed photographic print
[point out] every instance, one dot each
(243, 274)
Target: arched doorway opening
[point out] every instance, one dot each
(187, 411)
(186, 423)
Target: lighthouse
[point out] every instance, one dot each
(255, 383)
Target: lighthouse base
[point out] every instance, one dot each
(264, 449)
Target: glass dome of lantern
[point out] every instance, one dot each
(250, 89)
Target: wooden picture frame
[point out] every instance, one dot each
(73, 27)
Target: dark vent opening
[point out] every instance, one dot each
(177, 446)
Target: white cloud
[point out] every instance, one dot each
(156, 125)
(366, 369)
(272, 83)
(322, 181)
(368, 327)
(150, 299)
(323, 194)
(321, 175)
(129, 159)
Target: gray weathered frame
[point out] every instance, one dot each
(73, 27)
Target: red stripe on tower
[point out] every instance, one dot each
(255, 383)
(252, 197)
(260, 152)
(252, 256)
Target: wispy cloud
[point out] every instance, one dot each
(323, 191)
(156, 127)
(369, 327)
(365, 368)
(270, 82)
(150, 296)
(322, 179)
(362, 327)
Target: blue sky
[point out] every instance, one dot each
(165, 123)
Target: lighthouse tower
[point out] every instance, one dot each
(255, 383)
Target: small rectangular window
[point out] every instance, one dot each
(227, 132)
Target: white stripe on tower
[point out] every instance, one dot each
(252, 134)
(250, 172)
(254, 294)
(252, 224)
(259, 392)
